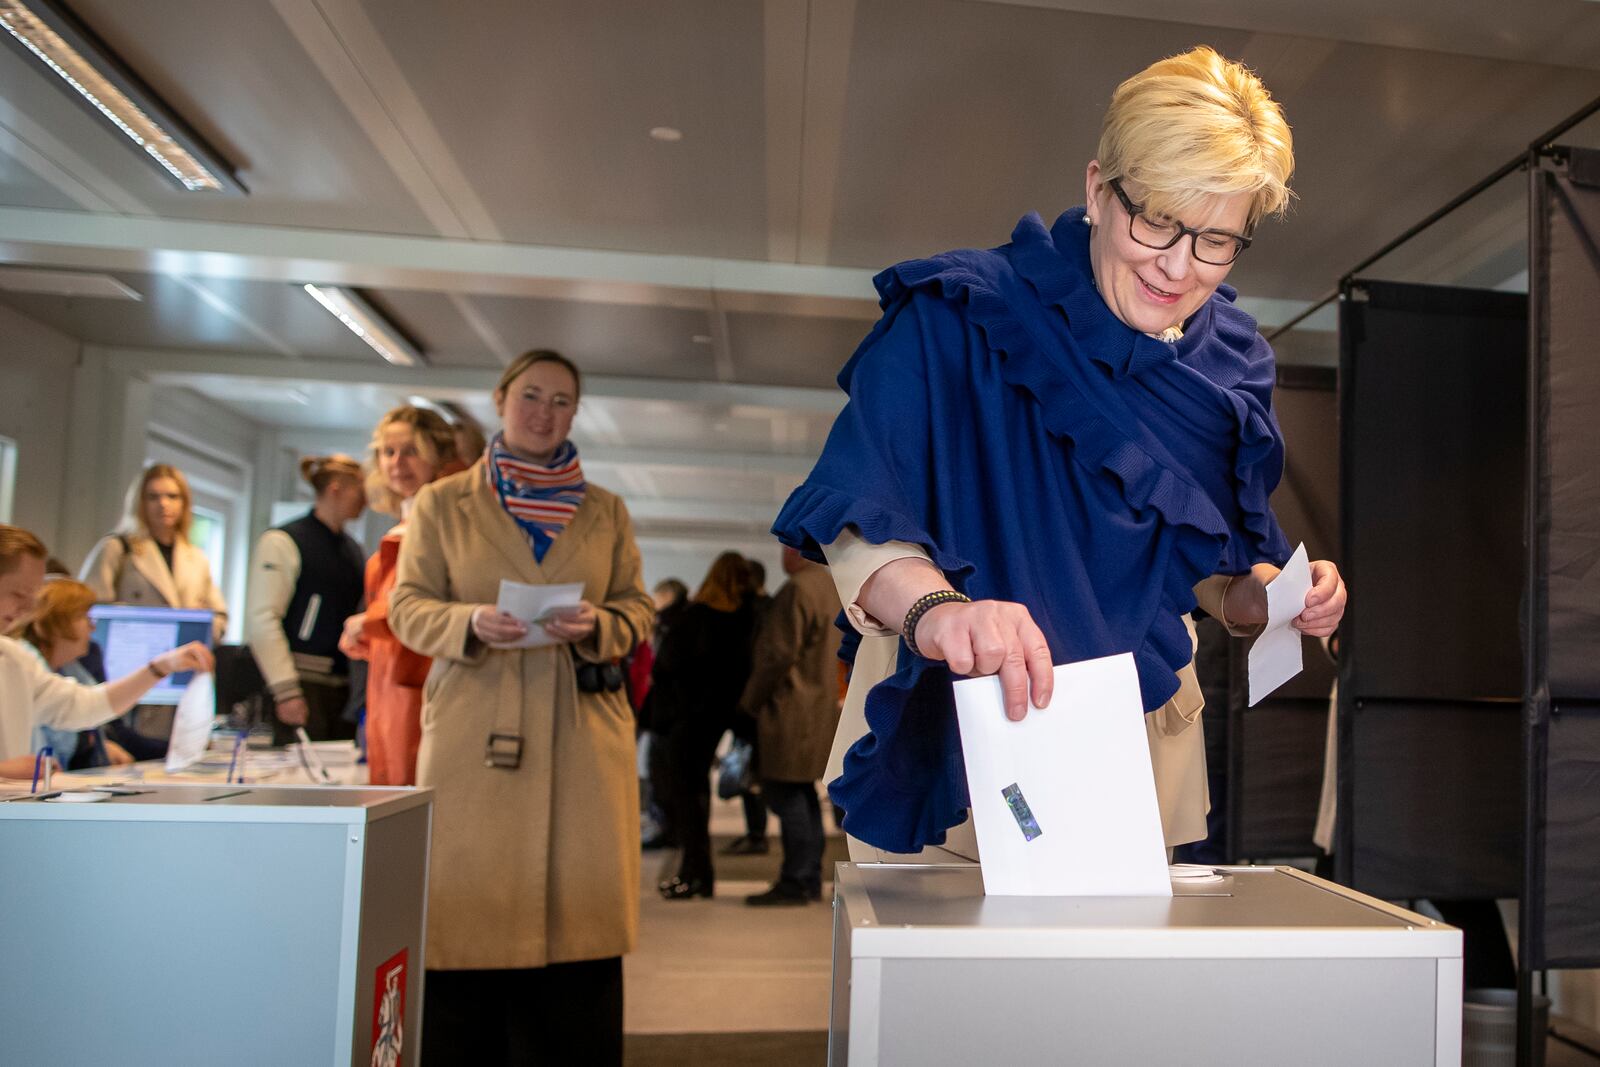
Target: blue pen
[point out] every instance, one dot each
(41, 760)
(238, 743)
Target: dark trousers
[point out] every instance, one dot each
(799, 815)
(1486, 961)
(755, 814)
(691, 746)
(566, 1013)
(325, 720)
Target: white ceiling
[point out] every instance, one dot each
(485, 176)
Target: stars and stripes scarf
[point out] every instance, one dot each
(541, 497)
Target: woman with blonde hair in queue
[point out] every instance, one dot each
(149, 561)
(60, 631)
(533, 892)
(34, 695)
(410, 448)
(305, 580)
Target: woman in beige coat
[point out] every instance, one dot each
(534, 887)
(149, 561)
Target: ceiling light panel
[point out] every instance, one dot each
(361, 319)
(92, 75)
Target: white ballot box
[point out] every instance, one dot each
(237, 924)
(1266, 965)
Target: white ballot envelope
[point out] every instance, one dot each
(1065, 800)
(534, 605)
(1275, 657)
(191, 723)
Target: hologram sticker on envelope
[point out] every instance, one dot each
(1064, 802)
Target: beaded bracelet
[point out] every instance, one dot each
(922, 606)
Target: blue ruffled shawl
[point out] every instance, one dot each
(1042, 452)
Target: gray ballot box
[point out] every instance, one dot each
(203, 924)
(1267, 965)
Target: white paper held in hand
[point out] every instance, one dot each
(191, 723)
(1065, 800)
(1275, 657)
(535, 605)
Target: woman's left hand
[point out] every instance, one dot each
(118, 755)
(1325, 603)
(572, 623)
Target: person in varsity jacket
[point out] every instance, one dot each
(305, 580)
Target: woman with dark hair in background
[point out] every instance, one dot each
(700, 671)
(410, 448)
(305, 580)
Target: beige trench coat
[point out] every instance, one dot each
(793, 691)
(539, 864)
(141, 577)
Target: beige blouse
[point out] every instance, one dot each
(1174, 730)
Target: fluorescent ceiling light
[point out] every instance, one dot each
(97, 79)
(65, 283)
(367, 324)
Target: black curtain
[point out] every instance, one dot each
(1561, 924)
(1433, 382)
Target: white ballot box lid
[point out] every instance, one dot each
(940, 911)
(137, 802)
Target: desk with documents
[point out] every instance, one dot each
(1271, 966)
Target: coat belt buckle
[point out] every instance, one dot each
(503, 751)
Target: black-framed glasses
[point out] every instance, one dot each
(1216, 247)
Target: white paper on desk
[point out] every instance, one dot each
(1275, 657)
(533, 604)
(1083, 766)
(191, 723)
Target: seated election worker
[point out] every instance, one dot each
(31, 695)
(533, 885)
(1054, 450)
(60, 631)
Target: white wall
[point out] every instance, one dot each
(38, 366)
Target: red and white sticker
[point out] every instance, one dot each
(389, 1011)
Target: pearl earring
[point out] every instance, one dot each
(1087, 221)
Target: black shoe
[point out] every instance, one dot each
(684, 888)
(746, 846)
(780, 896)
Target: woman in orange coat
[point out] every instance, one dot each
(410, 448)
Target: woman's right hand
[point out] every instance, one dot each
(991, 637)
(495, 627)
(353, 641)
(194, 656)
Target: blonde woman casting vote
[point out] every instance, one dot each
(534, 883)
(31, 695)
(1053, 450)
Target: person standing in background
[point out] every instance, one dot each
(305, 580)
(150, 562)
(701, 669)
(671, 597)
(410, 448)
(793, 696)
(533, 888)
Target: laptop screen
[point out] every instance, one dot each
(131, 636)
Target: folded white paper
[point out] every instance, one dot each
(191, 723)
(534, 604)
(1065, 800)
(1275, 657)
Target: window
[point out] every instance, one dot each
(8, 476)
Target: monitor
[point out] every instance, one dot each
(131, 636)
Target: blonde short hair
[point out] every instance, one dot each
(133, 518)
(1194, 126)
(436, 444)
